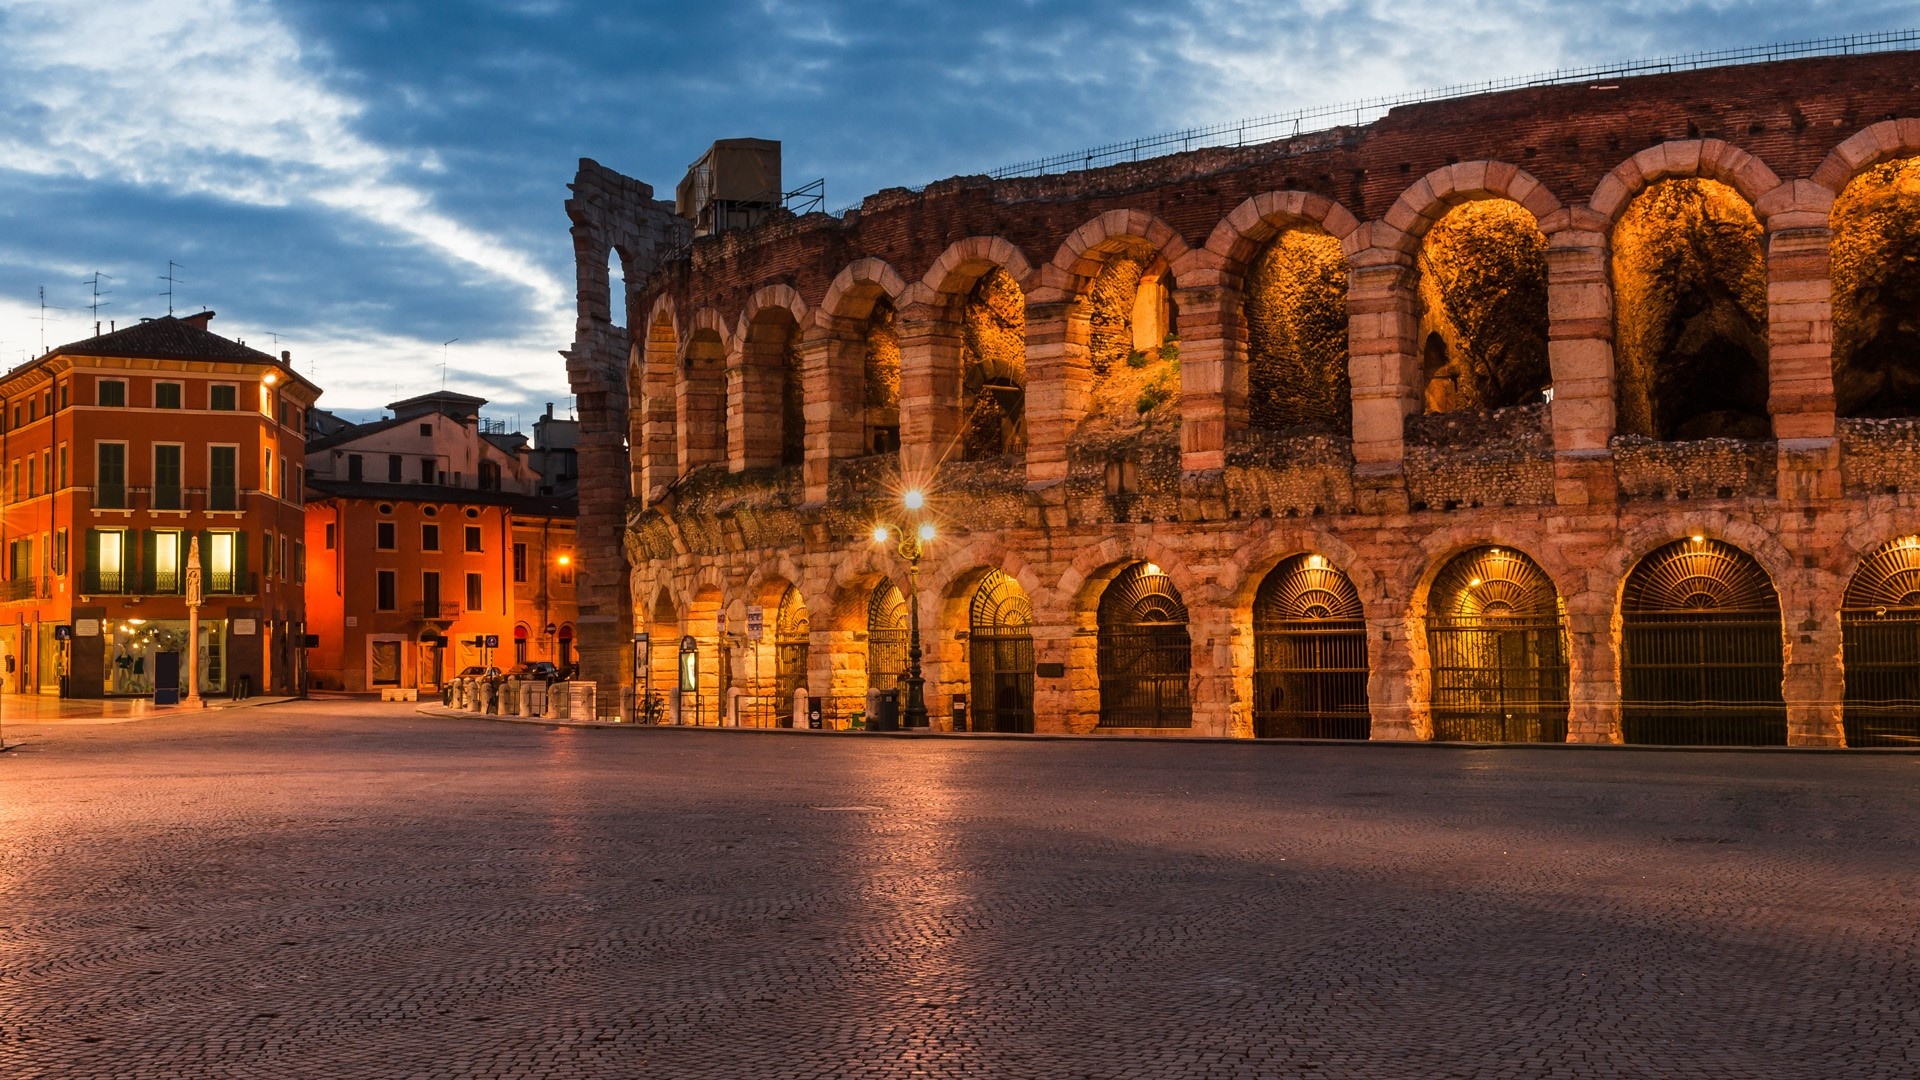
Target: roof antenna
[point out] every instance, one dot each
(171, 279)
(443, 363)
(44, 308)
(98, 303)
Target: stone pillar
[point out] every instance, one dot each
(929, 388)
(1383, 364)
(1059, 385)
(755, 384)
(605, 623)
(1213, 375)
(833, 369)
(1580, 351)
(1069, 704)
(1399, 685)
(1593, 670)
(1211, 684)
(656, 452)
(1813, 681)
(1800, 339)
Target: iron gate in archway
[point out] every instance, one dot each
(886, 636)
(1000, 655)
(1310, 654)
(1145, 654)
(1700, 651)
(1880, 635)
(1497, 648)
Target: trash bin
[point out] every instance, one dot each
(886, 716)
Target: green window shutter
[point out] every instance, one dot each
(90, 579)
(149, 554)
(240, 584)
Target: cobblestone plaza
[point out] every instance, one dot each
(354, 890)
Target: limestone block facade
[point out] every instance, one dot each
(1671, 534)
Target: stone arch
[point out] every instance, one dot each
(1495, 652)
(663, 626)
(963, 356)
(1256, 663)
(705, 609)
(1691, 312)
(700, 401)
(1709, 159)
(766, 388)
(1874, 270)
(1144, 652)
(860, 393)
(1880, 617)
(1434, 195)
(1872, 145)
(652, 401)
(1254, 224)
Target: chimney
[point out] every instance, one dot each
(286, 357)
(198, 320)
(549, 410)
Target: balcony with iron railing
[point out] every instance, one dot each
(445, 611)
(166, 497)
(131, 583)
(25, 588)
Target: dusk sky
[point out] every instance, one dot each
(369, 180)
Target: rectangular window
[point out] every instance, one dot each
(110, 392)
(300, 562)
(286, 543)
(473, 538)
(63, 395)
(46, 470)
(473, 592)
(223, 397)
(20, 558)
(356, 468)
(426, 429)
(286, 413)
(167, 395)
(14, 490)
(566, 567)
(520, 564)
(167, 493)
(33, 410)
(328, 544)
(60, 552)
(429, 538)
(222, 562)
(383, 536)
(266, 473)
(223, 478)
(393, 469)
(106, 561)
(110, 475)
(266, 556)
(430, 593)
(428, 468)
(384, 590)
(489, 476)
(63, 465)
(165, 563)
(33, 476)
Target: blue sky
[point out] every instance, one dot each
(368, 180)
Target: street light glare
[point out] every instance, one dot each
(915, 499)
(926, 530)
(879, 534)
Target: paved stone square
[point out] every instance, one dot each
(351, 889)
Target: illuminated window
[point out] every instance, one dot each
(222, 561)
(165, 563)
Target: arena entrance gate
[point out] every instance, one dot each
(1145, 655)
(886, 636)
(1310, 654)
(1700, 653)
(1880, 651)
(1000, 656)
(1498, 650)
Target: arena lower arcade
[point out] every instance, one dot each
(1577, 412)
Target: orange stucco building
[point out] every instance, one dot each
(119, 452)
(424, 536)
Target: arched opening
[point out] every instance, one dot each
(1000, 655)
(1700, 651)
(521, 639)
(880, 392)
(1296, 316)
(993, 369)
(1483, 308)
(772, 703)
(886, 636)
(706, 625)
(1690, 314)
(772, 426)
(701, 403)
(1497, 642)
(1876, 292)
(564, 658)
(1310, 654)
(663, 658)
(616, 288)
(1880, 651)
(1132, 344)
(1145, 653)
(651, 410)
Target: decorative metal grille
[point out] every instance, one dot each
(1145, 655)
(1880, 648)
(1310, 654)
(1700, 653)
(1498, 650)
(886, 636)
(1000, 648)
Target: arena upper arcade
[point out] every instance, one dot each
(1579, 413)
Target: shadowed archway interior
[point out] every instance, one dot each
(1880, 633)
(1310, 654)
(1497, 641)
(1145, 654)
(1000, 655)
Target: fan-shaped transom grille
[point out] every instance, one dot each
(999, 606)
(1492, 582)
(1305, 587)
(1699, 576)
(886, 608)
(1888, 578)
(1000, 656)
(1142, 595)
(790, 623)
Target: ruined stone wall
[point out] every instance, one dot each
(1177, 471)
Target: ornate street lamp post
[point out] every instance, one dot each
(912, 544)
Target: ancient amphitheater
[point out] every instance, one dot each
(1582, 412)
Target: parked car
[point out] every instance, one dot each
(472, 670)
(537, 671)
